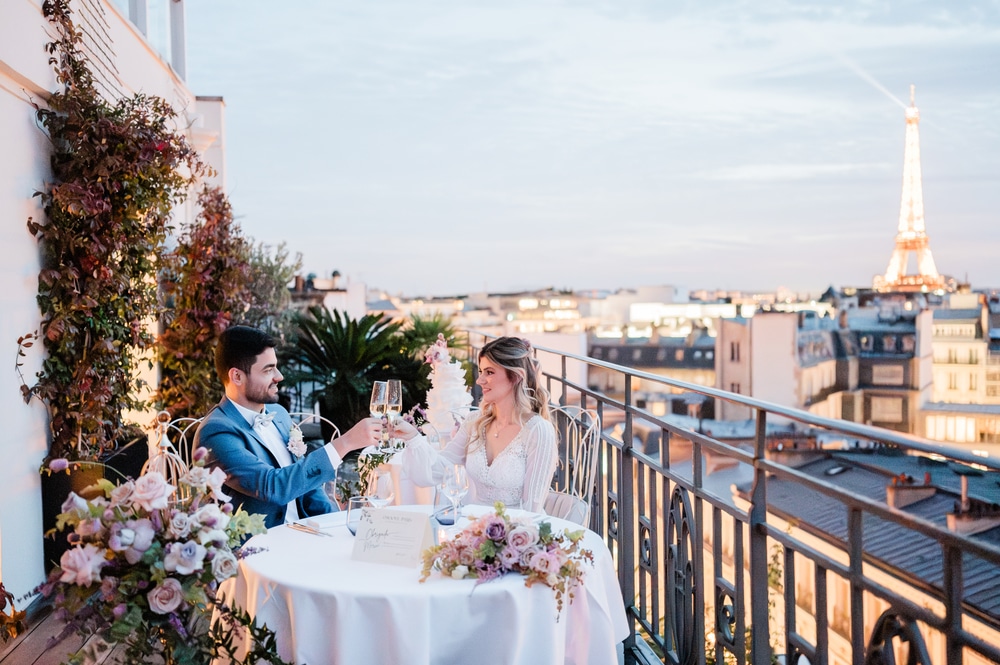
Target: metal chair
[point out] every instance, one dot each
(579, 432)
(315, 433)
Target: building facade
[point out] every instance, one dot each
(133, 46)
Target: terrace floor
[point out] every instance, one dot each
(32, 646)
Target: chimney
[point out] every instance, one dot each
(972, 516)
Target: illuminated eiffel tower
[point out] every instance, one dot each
(911, 236)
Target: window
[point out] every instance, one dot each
(679, 355)
(973, 382)
(867, 342)
(889, 343)
(734, 351)
(734, 388)
(710, 354)
(908, 343)
(636, 355)
(952, 381)
(973, 357)
(953, 355)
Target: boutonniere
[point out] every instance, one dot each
(296, 445)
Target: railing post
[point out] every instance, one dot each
(626, 515)
(760, 648)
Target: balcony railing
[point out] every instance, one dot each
(716, 529)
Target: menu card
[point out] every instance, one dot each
(396, 537)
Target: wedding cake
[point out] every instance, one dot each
(448, 400)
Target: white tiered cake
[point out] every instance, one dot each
(448, 400)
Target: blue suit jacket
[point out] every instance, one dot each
(253, 476)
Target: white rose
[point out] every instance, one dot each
(459, 572)
(224, 565)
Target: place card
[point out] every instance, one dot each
(396, 537)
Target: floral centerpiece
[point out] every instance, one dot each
(145, 562)
(496, 544)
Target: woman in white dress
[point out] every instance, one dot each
(509, 447)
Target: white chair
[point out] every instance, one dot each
(311, 425)
(579, 432)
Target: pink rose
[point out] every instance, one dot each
(166, 596)
(152, 491)
(523, 536)
(122, 494)
(544, 563)
(509, 557)
(82, 565)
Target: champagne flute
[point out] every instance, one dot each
(377, 405)
(393, 403)
(456, 486)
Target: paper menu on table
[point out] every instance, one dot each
(396, 537)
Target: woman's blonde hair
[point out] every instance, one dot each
(515, 356)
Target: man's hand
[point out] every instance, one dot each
(368, 432)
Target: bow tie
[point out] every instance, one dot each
(263, 419)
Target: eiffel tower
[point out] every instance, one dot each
(911, 236)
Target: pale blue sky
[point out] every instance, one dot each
(443, 147)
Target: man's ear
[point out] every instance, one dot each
(235, 376)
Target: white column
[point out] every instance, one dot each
(178, 40)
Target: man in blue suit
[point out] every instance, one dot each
(246, 435)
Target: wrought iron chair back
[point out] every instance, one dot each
(308, 418)
(579, 432)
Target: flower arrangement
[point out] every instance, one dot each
(146, 560)
(496, 544)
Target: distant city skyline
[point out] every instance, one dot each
(449, 147)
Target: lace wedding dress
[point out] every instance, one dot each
(520, 475)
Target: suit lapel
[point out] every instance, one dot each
(234, 414)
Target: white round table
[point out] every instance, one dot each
(327, 608)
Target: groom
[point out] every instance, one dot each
(246, 435)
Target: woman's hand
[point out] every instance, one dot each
(402, 429)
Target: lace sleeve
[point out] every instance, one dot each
(425, 466)
(540, 465)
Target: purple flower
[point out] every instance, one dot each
(58, 464)
(184, 558)
(495, 528)
(200, 454)
(119, 610)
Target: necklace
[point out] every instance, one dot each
(497, 428)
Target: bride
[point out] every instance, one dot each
(509, 448)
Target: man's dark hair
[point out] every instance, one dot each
(238, 347)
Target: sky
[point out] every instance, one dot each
(445, 147)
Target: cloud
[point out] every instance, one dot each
(786, 172)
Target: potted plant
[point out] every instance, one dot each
(117, 170)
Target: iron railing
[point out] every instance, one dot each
(717, 565)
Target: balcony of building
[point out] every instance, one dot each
(786, 535)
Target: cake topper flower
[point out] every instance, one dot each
(438, 351)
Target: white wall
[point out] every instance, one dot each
(24, 77)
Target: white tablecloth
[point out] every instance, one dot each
(326, 608)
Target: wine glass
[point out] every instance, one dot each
(380, 490)
(377, 405)
(393, 402)
(456, 486)
(355, 506)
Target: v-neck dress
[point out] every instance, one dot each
(520, 475)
